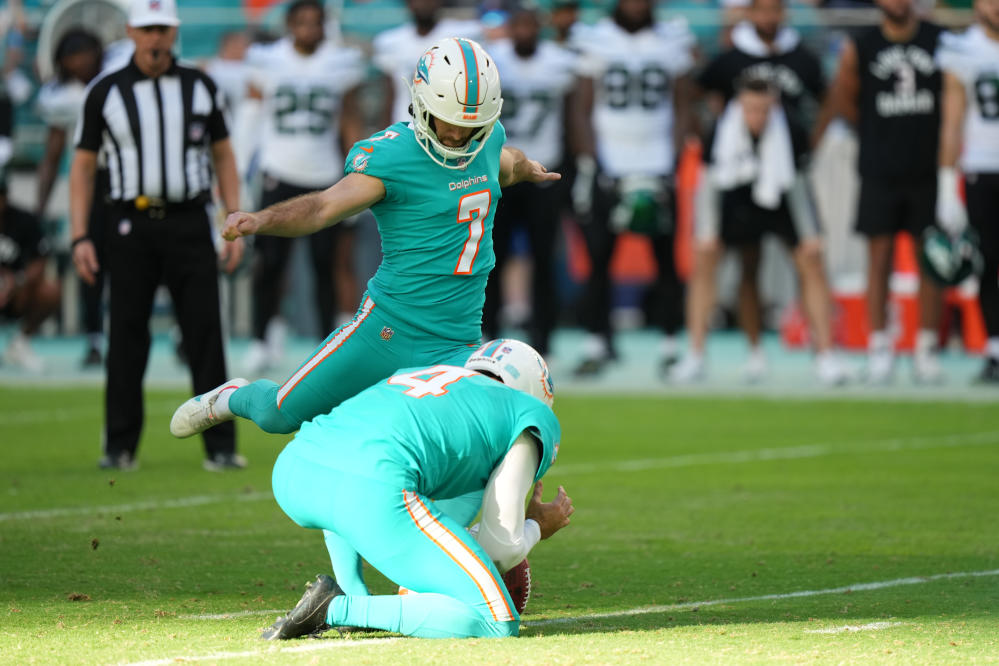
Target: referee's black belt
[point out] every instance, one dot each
(157, 208)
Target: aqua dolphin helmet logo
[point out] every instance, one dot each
(423, 67)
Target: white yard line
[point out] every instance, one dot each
(636, 465)
(784, 453)
(856, 587)
(850, 628)
(333, 644)
(177, 503)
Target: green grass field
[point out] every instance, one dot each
(698, 520)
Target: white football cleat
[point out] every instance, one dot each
(755, 369)
(199, 414)
(926, 368)
(830, 370)
(880, 367)
(20, 354)
(688, 370)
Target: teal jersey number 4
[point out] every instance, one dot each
(443, 430)
(436, 226)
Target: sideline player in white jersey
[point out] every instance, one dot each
(308, 87)
(637, 90)
(79, 57)
(970, 116)
(229, 68)
(396, 50)
(538, 81)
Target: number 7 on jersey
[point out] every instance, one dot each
(472, 210)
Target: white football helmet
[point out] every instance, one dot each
(457, 82)
(517, 365)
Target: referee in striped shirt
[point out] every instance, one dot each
(160, 126)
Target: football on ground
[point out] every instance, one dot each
(518, 583)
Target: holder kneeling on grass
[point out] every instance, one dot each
(478, 436)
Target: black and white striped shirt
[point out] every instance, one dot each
(156, 133)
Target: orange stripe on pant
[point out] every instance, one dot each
(460, 553)
(324, 352)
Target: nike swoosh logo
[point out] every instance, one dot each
(366, 149)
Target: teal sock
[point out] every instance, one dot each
(258, 402)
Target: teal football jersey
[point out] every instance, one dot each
(445, 429)
(436, 226)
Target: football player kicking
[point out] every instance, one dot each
(367, 470)
(432, 185)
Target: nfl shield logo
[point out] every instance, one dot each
(387, 333)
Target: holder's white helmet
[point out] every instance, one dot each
(457, 82)
(517, 365)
